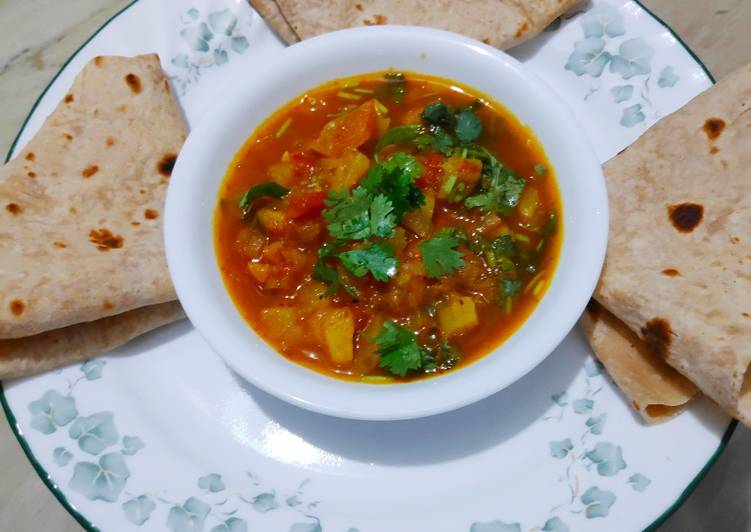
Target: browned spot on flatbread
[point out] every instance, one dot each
(60, 245)
(134, 82)
(99, 60)
(89, 171)
(107, 305)
(714, 149)
(735, 239)
(121, 108)
(358, 7)
(522, 29)
(73, 210)
(671, 272)
(657, 336)
(105, 240)
(142, 191)
(13, 208)
(150, 214)
(378, 20)
(166, 164)
(166, 86)
(135, 223)
(686, 216)
(31, 174)
(109, 141)
(486, 40)
(30, 156)
(594, 309)
(68, 136)
(69, 98)
(17, 307)
(724, 164)
(745, 314)
(713, 127)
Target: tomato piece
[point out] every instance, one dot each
(305, 204)
(347, 131)
(304, 164)
(432, 175)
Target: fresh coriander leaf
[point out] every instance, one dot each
(348, 214)
(541, 169)
(328, 275)
(439, 114)
(551, 224)
(378, 259)
(510, 287)
(400, 135)
(468, 126)
(441, 140)
(253, 193)
(382, 219)
(439, 256)
(396, 84)
(501, 195)
(398, 349)
(503, 246)
(394, 179)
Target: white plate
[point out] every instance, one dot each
(160, 435)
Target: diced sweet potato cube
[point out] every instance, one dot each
(420, 221)
(282, 174)
(457, 316)
(259, 270)
(344, 171)
(339, 330)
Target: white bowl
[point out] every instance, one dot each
(251, 96)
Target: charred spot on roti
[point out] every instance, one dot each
(107, 305)
(99, 60)
(73, 210)
(68, 136)
(109, 141)
(13, 208)
(105, 240)
(522, 29)
(135, 223)
(657, 336)
(30, 156)
(134, 82)
(378, 20)
(166, 164)
(713, 127)
(60, 245)
(745, 314)
(121, 108)
(671, 272)
(150, 214)
(714, 149)
(89, 171)
(166, 86)
(142, 191)
(31, 174)
(17, 307)
(358, 7)
(686, 216)
(734, 239)
(68, 98)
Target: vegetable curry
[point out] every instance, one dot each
(388, 227)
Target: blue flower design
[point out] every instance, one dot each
(583, 406)
(495, 526)
(197, 37)
(103, 481)
(621, 93)
(589, 57)
(560, 449)
(212, 482)
(639, 482)
(597, 424)
(233, 524)
(555, 524)
(560, 398)
(632, 115)
(61, 456)
(189, 517)
(608, 457)
(223, 22)
(306, 527)
(591, 368)
(52, 411)
(597, 502)
(139, 509)
(603, 19)
(131, 445)
(94, 433)
(635, 57)
(92, 369)
(265, 502)
(668, 78)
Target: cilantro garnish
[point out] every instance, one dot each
(468, 126)
(327, 274)
(439, 114)
(500, 195)
(541, 169)
(439, 256)
(551, 224)
(510, 287)
(503, 246)
(378, 259)
(398, 349)
(395, 179)
(359, 215)
(253, 193)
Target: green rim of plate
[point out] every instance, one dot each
(90, 527)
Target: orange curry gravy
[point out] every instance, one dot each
(508, 256)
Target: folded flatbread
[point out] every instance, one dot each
(20, 357)
(678, 267)
(500, 23)
(654, 389)
(81, 205)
